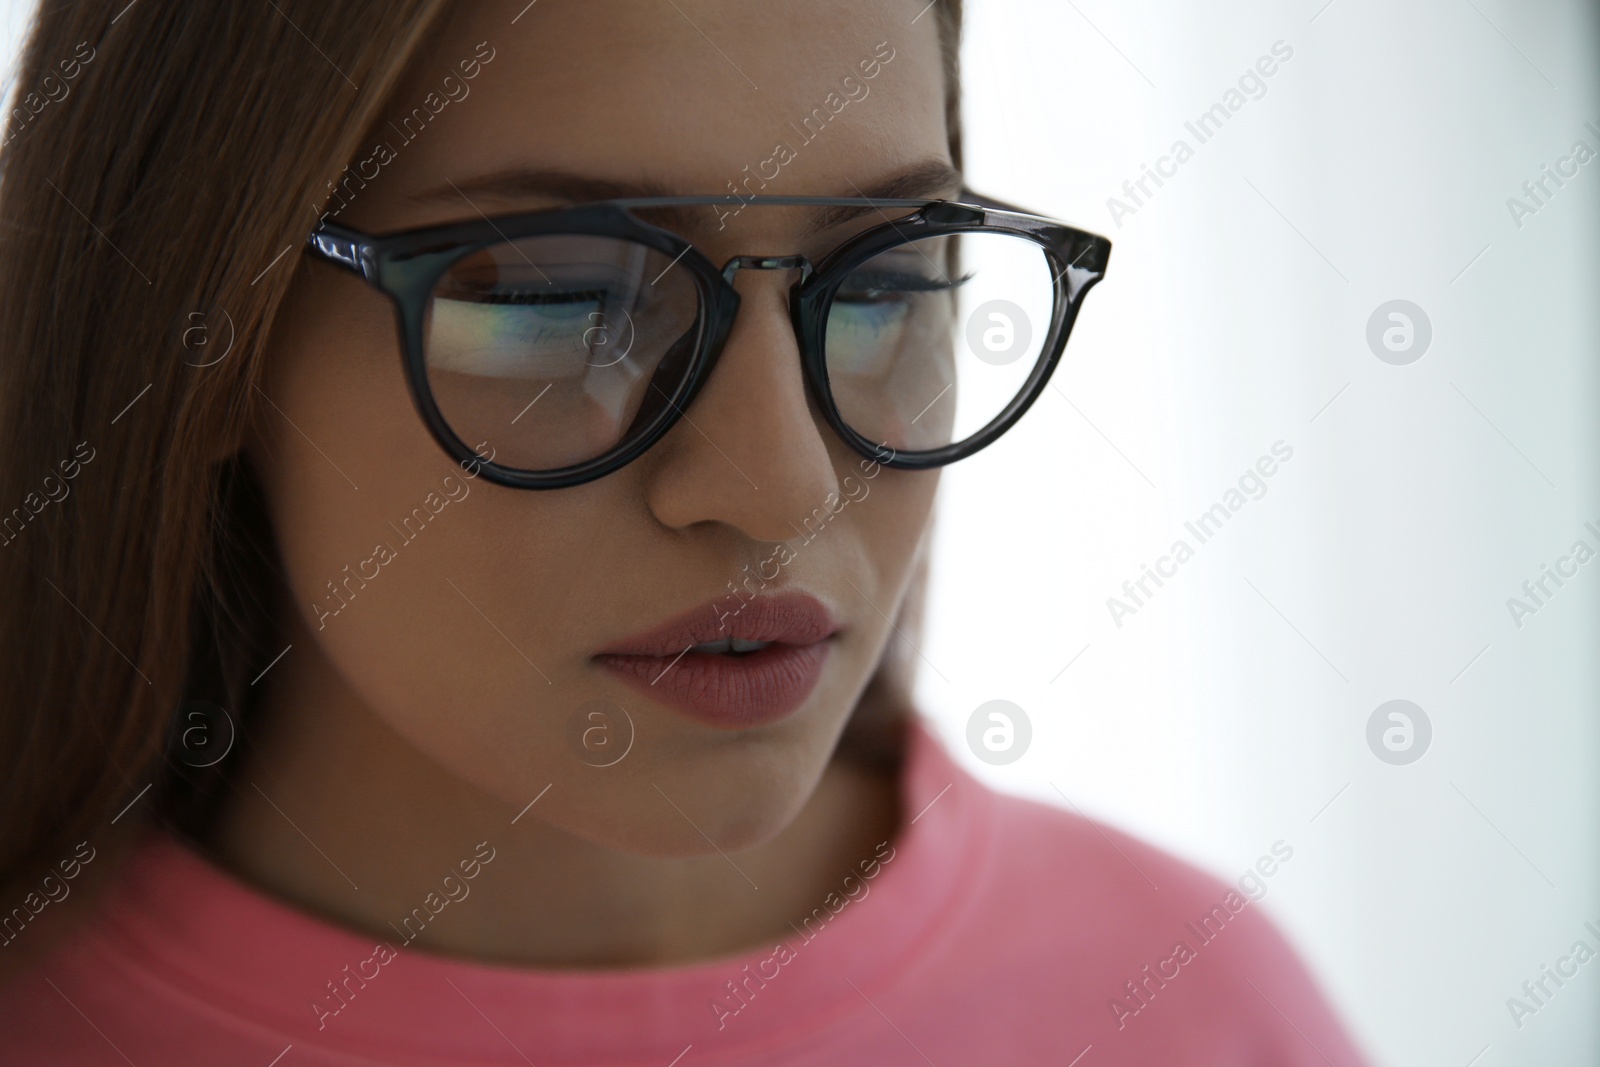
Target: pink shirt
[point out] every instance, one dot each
(995, 930)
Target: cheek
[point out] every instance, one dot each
(887, 515)
(400, 579)
(463, 623)
(897, 510)
(444, 618)
(335, 417)
(887, 528)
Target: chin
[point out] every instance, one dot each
(670, 811)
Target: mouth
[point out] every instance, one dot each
(730, 664)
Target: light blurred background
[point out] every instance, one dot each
(1231, 709)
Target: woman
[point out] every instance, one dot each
(539, 695)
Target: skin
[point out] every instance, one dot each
(406, 730)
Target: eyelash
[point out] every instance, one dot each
(902, 283)
(523, 296)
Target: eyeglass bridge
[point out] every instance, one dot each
(738, 263)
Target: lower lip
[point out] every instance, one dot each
(727, 692)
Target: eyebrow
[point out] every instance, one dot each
(926, 179)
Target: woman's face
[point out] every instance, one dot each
(469, 618)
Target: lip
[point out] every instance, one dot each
(727, 691)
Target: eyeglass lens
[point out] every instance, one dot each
(926, 343)
(559, 348)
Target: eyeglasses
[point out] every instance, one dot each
(564, 343)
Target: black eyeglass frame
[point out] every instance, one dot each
(407, 265)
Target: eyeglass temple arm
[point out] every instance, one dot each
(1083, 251)
(345, 249)
(978, 199)
(969, 196)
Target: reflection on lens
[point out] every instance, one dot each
(546, 347)
(928, 342)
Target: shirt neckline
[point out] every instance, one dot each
(178, 918)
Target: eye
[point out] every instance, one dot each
(538, 331)
(878, 285)
(556, 300)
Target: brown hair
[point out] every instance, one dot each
(163, 163)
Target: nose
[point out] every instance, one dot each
(750, 450)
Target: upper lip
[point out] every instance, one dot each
(789, 618)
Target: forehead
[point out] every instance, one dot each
(687, 96)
